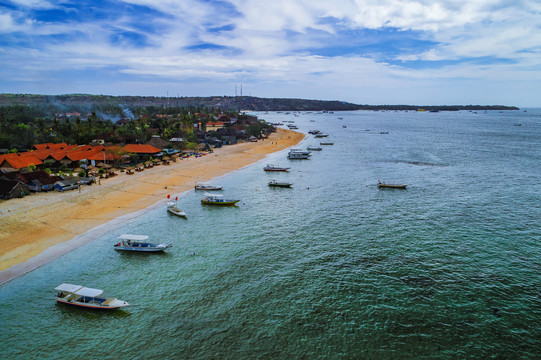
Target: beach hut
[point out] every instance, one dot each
(10, 189)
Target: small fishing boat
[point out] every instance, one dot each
(280, 184)
(326, 143)
(81, 296)
(131, 242)
(207, 187)
(172, 208)
(321, 135)
(297, 156)
(314, 148)
(313, 132)
(390, 186)
(270, 167)
(211, 199)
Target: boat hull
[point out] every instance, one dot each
(391, 186)
(220, 203)
(283, 169)
(89, 306)
(281, 185)
(178, 213)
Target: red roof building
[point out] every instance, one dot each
(141, 149)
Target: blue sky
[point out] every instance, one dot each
(424, 52)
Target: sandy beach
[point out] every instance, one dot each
(41, 227)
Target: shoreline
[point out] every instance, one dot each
(42, 227)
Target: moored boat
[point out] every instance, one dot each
(390, 186)
(314, 148)
(326, 143)
(211, 199)
(131, 242)
(297, 156)
(81, 296)
(321, 135)
(172, 208)
(207, 187)
(270, 167)
(279, 184)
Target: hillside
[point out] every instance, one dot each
(85, 102)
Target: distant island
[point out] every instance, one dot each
(85, 102)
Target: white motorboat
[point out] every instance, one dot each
(172, 208)
(81, 296)
(212, 199)
(277, 183)
(207, 187)
(270, 167)
(131, 242)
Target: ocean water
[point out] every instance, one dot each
(334, 267)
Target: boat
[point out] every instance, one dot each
(292, 127)
(300, 151)
(270, 167)
(172, 208)
(313, 132)
(297, 156)
(321, 135)
(207, 187)
(131, 242)
(211, 199)
(81, 296)
(326, 143)
(279, 184)
(390, 186)
(314, 148)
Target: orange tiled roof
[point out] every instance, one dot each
(19, 161)
(141, 149)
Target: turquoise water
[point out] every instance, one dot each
(334, 267)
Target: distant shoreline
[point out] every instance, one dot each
(85, 102)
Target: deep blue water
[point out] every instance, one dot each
(334, 267)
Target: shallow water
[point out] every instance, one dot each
(332, 268)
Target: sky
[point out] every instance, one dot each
(417, 52)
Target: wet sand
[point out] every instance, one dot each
(42, 227)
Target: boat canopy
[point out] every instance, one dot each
(89, 292)
(133, 237)
(208, 195)
(68, 288)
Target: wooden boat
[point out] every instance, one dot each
(297, 156)
(390, 186)
(270, 167)
(321, 135)
(207, 187)
(211, 199)
(85, 297)
(131, 242)
(326, 143)
(172, 208)
(314, 148)
(276, 183)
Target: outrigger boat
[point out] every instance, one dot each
(207, 187)
(211, 199)
(131, 242)
(297, 156)
(172, 208)
(275, 168)
(280, 184)
(390, 186)
(81, 296)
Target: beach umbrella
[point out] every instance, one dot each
(107, 166)
(78, 170)
(100, 164)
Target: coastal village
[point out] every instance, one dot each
(62, 166)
